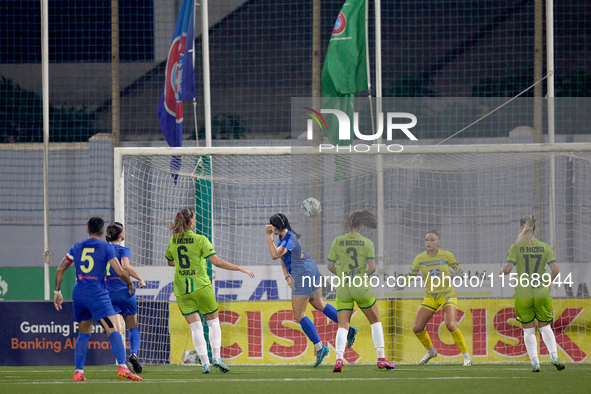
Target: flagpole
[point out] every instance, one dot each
(194, 98)
(205, 56)
(47, 257)
(379, 160)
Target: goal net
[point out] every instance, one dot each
(473, 195)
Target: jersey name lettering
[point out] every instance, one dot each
(355, 242)
(187, 272)
(531, 249)
(181, 241)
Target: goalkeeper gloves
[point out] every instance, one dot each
(458, 271)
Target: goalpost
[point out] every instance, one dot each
(473, 194)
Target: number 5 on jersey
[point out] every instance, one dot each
(85, 257)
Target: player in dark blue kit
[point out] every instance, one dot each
(296, 265)
(90, 299)
(123, 303)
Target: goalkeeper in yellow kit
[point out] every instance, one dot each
(440, 293)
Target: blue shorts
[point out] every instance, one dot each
(306, 278)
(123, 303)
(91, 303)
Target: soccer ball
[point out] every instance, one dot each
(190, 357)
(311, 207)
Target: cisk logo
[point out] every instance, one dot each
(345, 125)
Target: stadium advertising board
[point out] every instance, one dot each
(267, 333)
(492, 332)
(34, 333)
(268, 284)
(482, 280)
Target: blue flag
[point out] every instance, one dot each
(179, 84)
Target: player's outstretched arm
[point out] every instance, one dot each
(221, 263)
(58, 299)
(371, 267)
(554, 271)
(126, 265)
(123, 275)
(506, 269)
(332, 267)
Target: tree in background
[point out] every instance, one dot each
(21, 118)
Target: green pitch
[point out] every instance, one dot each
(440, 379)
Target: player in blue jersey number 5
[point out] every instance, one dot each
(90, 298)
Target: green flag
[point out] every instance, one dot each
(345, 73)
(345, 66)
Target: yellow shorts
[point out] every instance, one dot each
(433, 304)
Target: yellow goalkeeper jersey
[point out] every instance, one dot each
(435, 266)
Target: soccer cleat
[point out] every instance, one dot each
(535, 367)
(79, 377)
(124, 372)
(338, 366)
(467, 362)
(133, 360)
(558, 364)
(351, 336)
(205, 368)
(431, 353)
(218, 363)
(320, 355)
(384, 364)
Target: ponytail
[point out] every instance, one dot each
(280, 222)
(360, 218)
(114, 230)
(182, 222)
(527, 233)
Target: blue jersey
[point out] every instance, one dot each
(112, 280)
(90, 258)
(295, 255)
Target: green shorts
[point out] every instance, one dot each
(200, 301)
(348, 296)
(528, 309)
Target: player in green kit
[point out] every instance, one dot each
(352, 255)
(187, 252)
(532, 293)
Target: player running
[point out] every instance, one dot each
(532, 299)
(353, 255)
(187, 252)
(435, 263)
(123, 303)
(90, 299)
(297, 266)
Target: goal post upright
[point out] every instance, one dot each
(118, 176)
